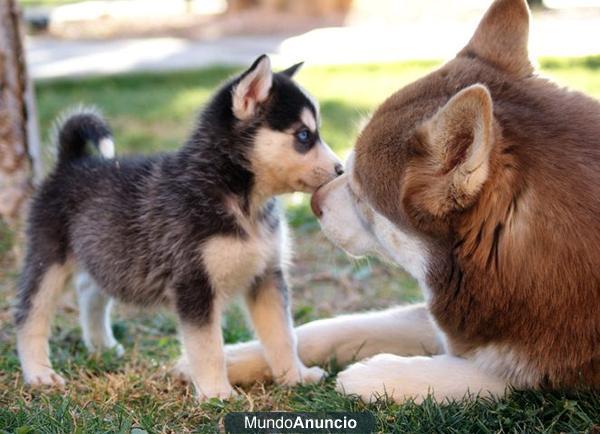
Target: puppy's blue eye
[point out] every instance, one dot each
(303, 136)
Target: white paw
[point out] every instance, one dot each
(43, 376)
(118, 350)
(415, 378)
(372, 379)
(222, 393)
(115, 347)
(313, 374)
(389, 376)
(181, 370)
(303, 375)
(352, 381)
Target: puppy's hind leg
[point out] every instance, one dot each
(39, 290)
(94, 315)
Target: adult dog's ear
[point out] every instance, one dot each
(253, 88)
(459, 139)
(292, 70)
(502, 36)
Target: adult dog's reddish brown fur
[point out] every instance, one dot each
(482, 180)
(516, 260)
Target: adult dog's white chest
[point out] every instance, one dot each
(233, 263)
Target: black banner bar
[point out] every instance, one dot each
(284, 422)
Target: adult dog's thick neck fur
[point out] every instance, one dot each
(490, 176)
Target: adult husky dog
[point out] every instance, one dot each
(483, 181)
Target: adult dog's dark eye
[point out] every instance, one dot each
(303, 136)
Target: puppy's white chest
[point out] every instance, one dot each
(233, 263)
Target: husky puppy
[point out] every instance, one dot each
(191, 228)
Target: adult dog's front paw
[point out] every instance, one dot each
(400, 379)
(372, 379)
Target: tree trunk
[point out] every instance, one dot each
(19, 147)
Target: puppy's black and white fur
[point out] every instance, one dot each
(192, 228)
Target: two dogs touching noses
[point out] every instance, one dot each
(481, 180)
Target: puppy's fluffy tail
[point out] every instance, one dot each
(80, 128)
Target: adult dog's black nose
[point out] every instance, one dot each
(339, 169)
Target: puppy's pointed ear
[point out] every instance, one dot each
(292, 70)
(253, 88)
(502, 36)
(460, 139)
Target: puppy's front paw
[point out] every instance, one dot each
(303, 375)
(313, 374)
(222, 393)
(181, 370)
(118, 350)
(43, 376)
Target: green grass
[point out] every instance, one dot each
(6, 239)
(155, 111)
(151, 112)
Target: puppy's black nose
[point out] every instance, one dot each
(339, 169)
